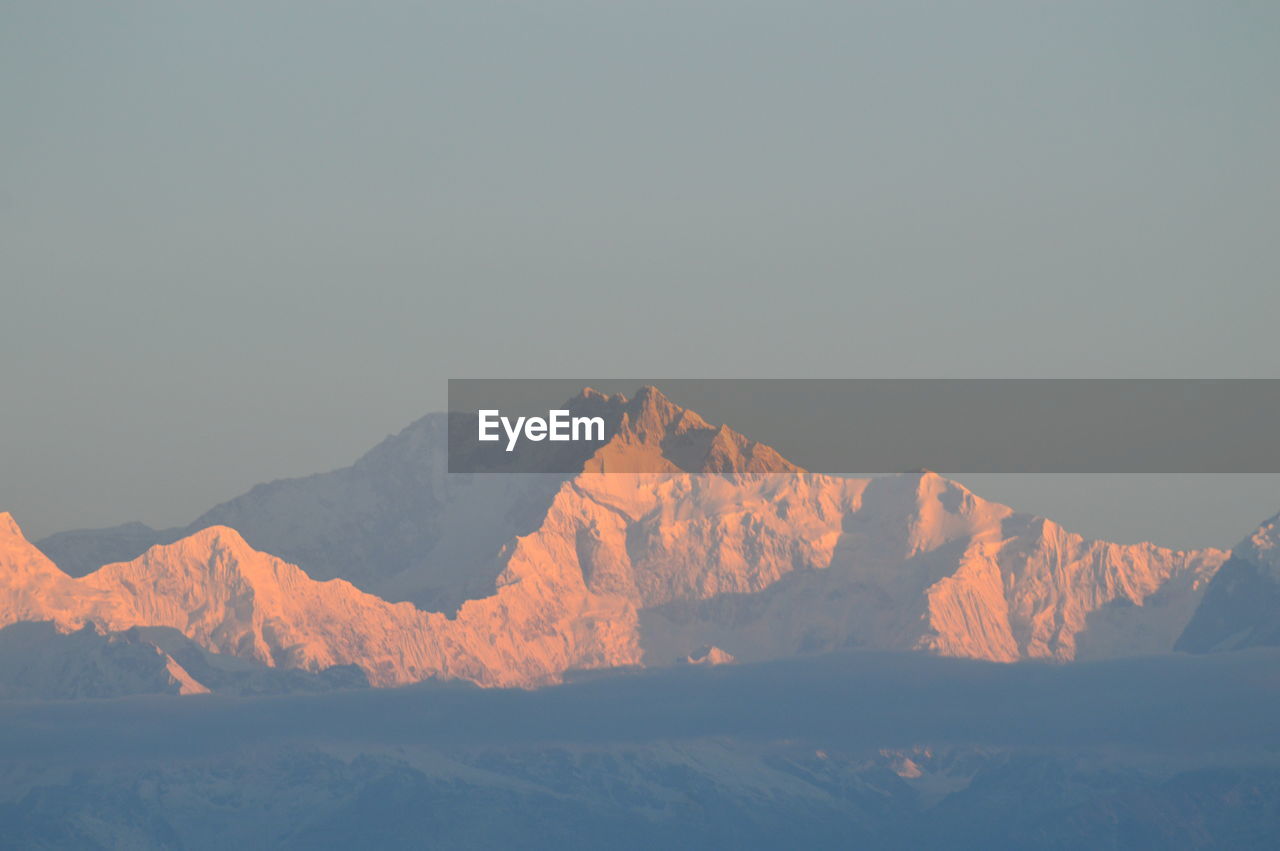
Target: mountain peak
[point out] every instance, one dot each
(592, 394)
(1263, 546)
(650, 415)
(9, 527)
(651, 393)
(219, 536)
(216, 557)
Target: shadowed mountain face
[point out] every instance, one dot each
(39, 662)
(546, 574)
(1241, 607)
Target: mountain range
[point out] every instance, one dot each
(407, 572)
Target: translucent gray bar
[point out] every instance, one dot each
(952, 426)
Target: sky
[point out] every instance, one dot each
(243, 241)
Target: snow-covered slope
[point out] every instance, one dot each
(912, 562)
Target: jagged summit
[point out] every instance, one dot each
(590, 395)
(655, 435)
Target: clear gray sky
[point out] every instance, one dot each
(240, 241)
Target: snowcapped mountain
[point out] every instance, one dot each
(546, 574)
(233, 600)
(780, 565)
(1241, 607)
